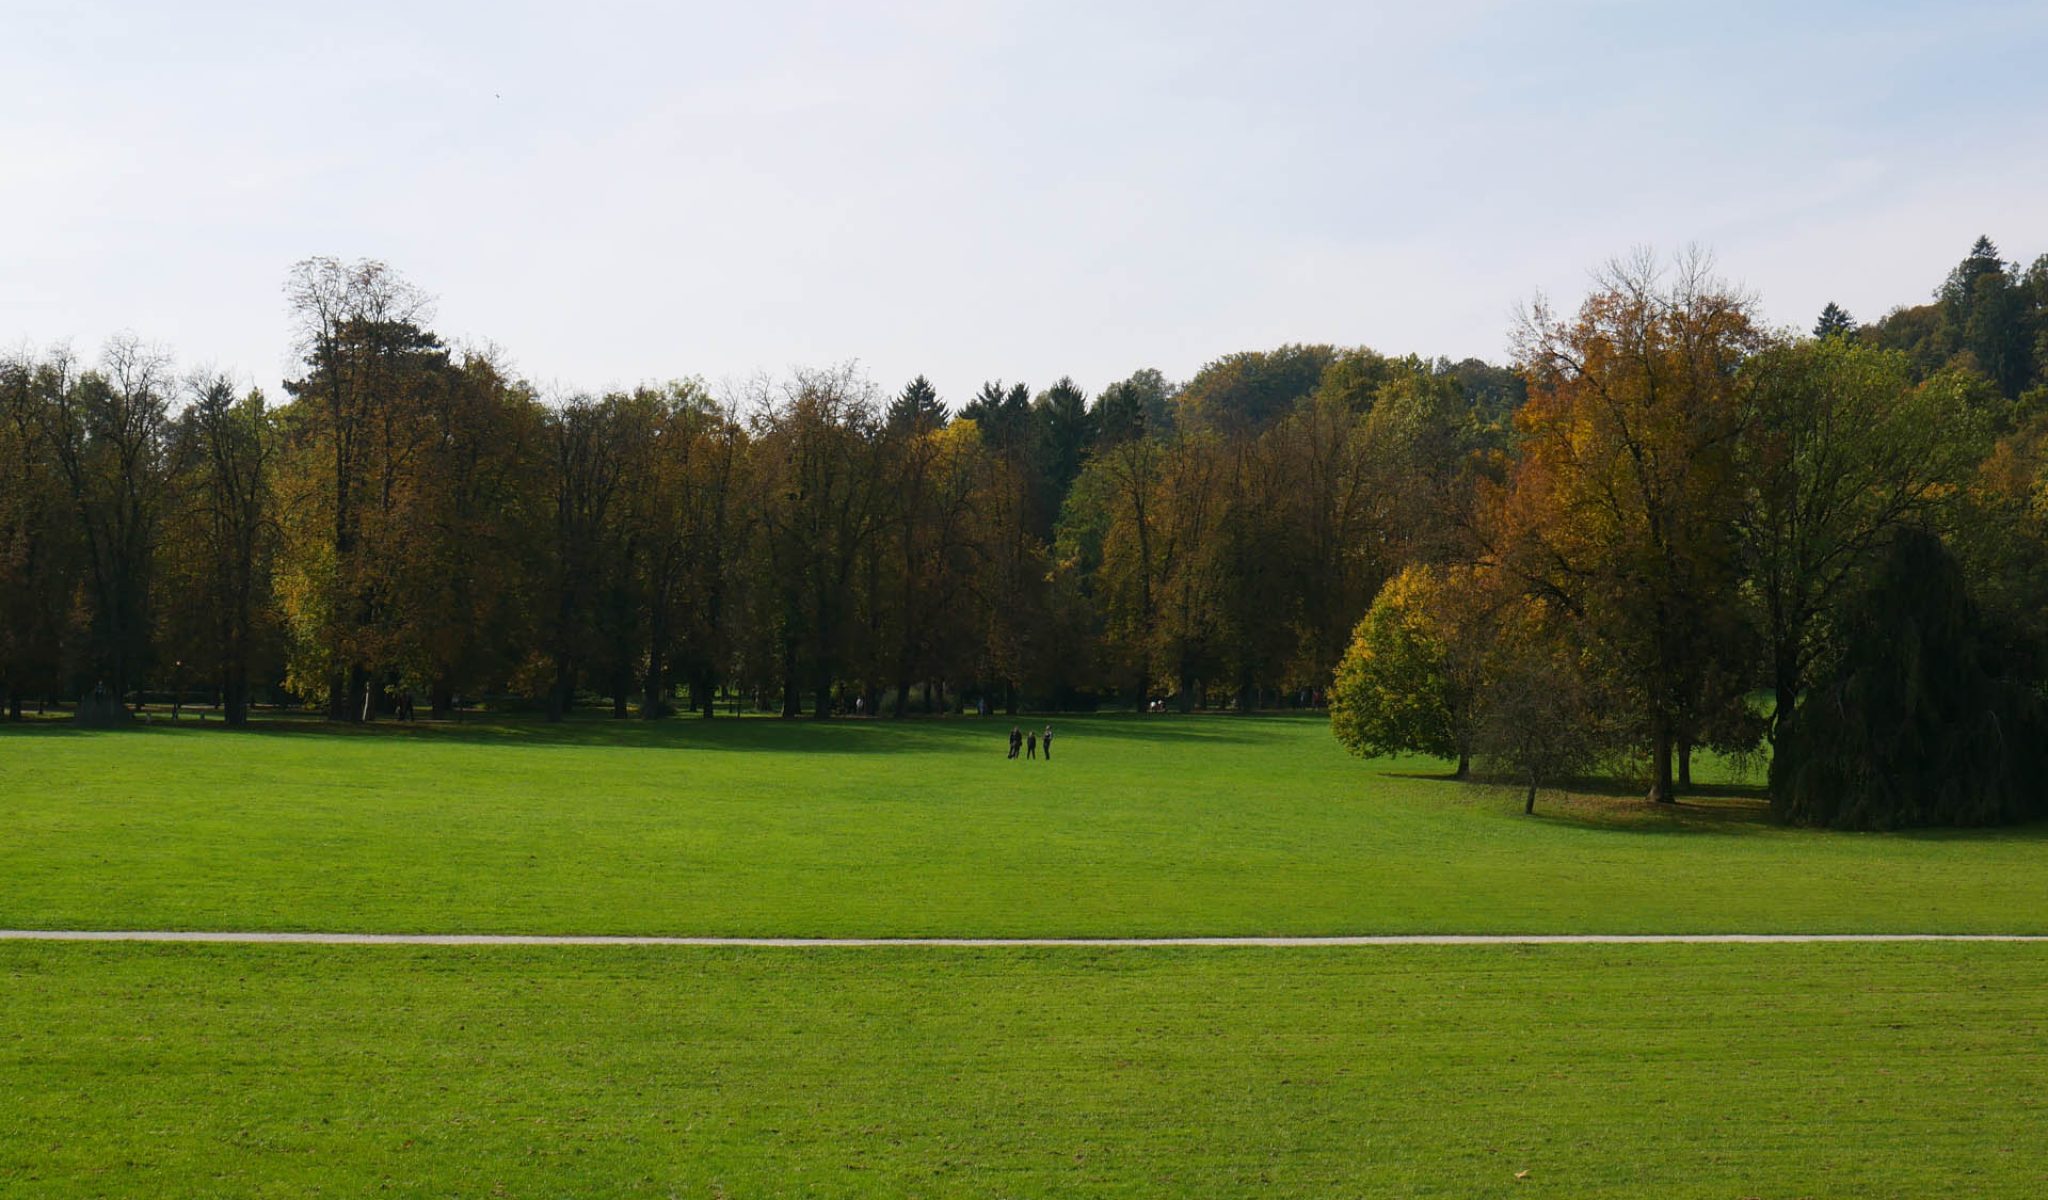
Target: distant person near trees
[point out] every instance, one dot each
(1016, 740)
(1031, 744)
(1048, 743)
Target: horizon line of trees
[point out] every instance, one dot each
(414, 524)
(1658, 510)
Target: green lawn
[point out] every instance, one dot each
(1207, 825)
(1715, 1071)
(1666, 1071)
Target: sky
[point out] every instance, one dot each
(613, 194)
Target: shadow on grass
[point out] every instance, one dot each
(1610, 805)
(751, 732)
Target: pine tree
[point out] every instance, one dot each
(1835, 321)
(917, 408)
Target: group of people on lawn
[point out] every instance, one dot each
(1028, 742)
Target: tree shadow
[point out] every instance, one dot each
(747, 733)
(1609, 805)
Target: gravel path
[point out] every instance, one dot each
(835, 943)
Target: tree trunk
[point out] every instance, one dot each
(1187, 693)
(563, 693)
(1464, 765)
(792, 691)
(902, 705)
(1685, 766)
(337, 696)
(1529, 803)
(1785, 690)
(1144, 692)
(1661, 790)
(235, 700)
(441, 700)
(652, 702)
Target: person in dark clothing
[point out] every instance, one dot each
(1047, 739)
(1016, 740)
(1031, 744)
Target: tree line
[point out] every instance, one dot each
(1663, 526)
(414, 525)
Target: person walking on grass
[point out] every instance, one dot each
(1016, 740)
(1031, 744)
(1047, 739)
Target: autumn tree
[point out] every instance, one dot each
(823, 504)
(357, 333)
(691, 512)
(592, 455)
(37, 546)
(1188, 510)
(222, 536)
(469, 530)
(1337, 519)
(935, 545)
(1111, 531)
(1623, 506)
(108, 434)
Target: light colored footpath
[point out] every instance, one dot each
(977, 943)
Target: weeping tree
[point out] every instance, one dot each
(1928, 717)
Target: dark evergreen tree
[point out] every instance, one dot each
(917, 408)
(1835, 321)
(1004, 414)
(1066, 431)
(1929, 716)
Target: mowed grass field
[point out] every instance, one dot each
(1139, 826)
(1829, 1070)
(1600, 1071)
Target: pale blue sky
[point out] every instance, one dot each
(622, 192)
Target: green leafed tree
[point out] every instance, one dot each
(1411, 681)
(1839, 447)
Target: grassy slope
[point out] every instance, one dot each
(1667, 1071)
(1141, 826)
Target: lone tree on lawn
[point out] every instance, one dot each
(1539, 721)
(1411, 679)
